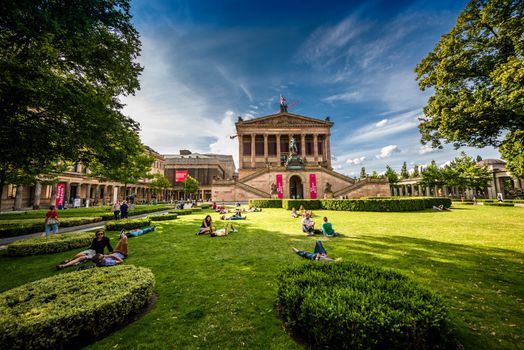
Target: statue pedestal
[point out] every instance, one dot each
(328, 195)
(294, 162)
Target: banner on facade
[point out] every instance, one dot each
(60, 190)
(312, 186)
(181, 175)
(280, 188)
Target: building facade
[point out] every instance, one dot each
(287, 155)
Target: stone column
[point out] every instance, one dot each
(265, 148)
(97, 193)
(88, 192)
(253, 162)
(401, 190)
(303, 146)
(419, 190)
(18, 197)
(428, 193)
(67, 193)
(240, 151)
(315, 147)
(328, 151)
(278, 148)
(52, 198)
(37, 194)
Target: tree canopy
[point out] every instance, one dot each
(63, 66)
(477, 73)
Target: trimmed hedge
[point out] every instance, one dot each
(51, 244)
(196, 210)
(181, 211)
(266, 203)
(52, 312)
(205, 206)
(355, 306)
(163, 217)
(128, 224)
(496, 204)
(393, 205)
(308, 204)
(23, 227)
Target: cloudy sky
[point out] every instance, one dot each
(208, 62)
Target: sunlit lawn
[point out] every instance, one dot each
(220, 292)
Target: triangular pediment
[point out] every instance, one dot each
(283, 119)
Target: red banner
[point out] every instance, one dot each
(280, 188)
(181, 175)
(60, 190)
(312, 186)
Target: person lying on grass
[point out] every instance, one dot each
(439, 208)
(138, 231)
(253, 209)
(327, 228)
(236, 216)
(223, 231)
(319, 253)
(99, 243)
(115, 258)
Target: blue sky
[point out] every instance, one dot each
(208, 62)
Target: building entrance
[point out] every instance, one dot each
(296, 189)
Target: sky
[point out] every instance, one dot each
(208, 62)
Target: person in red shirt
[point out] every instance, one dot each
(51, 221)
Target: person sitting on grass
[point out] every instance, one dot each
(327, 228)
(308, 225)
(236, 216)
(99, 243)
(138, 231)
(294, 213)
(115, 258)
(207, 226)
(223, 231)
(319, 253)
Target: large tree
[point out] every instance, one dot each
(64, 64)
(477, 73)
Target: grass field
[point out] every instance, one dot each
(220, 292)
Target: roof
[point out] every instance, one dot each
(491, 162)
(284, 118)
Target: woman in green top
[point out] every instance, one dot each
(327, 228)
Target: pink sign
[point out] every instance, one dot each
(312, 186)
(280, 189)
(60, 189)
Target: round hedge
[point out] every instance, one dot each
(51, 244)
(354, 306)
(52, 312)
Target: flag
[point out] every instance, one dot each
(181, 175)
(282, 100)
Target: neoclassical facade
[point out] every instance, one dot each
(286, 155)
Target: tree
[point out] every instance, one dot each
(432, 176)
(191, 185)
(416, 172)
(513, 149)
(160, 182)
(477, 73)
(64, 64)
(363, 174)
(391, 175)
(479, 158)
(131, 170)
(404, 171)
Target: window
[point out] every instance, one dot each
(272, 145)
(284, 144)
(259, 145)
(309, 145)
(246, 142)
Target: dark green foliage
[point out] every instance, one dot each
(51, 312)
(163, 217)
(128, 224)
(23, 227)
(205, 206)
(378, 204)
(181, 211)
(51, 244)
(496, 204)
(308, 204)
(266, 203)
(196, 210)
(356, 306)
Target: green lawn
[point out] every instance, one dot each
(220, 292)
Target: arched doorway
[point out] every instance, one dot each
(296, 189)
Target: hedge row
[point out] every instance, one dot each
(496, 204)
(51, 244)
(354, 306)
(52, 312)
(266, 203)
(139, 210)
(396, 205)
(205, 206)
(181, 211)
(127, 224)
(23, 227)
(308, 204)
(163, 217)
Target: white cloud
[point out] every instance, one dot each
(387, 151)
(426, 149)
(356, 161)
(344, 97)
(381, 123)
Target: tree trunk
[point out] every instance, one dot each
(2, 183)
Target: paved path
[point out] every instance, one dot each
(87, 227)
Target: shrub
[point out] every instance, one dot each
(127, 224)
(266, 203)
(308, 204)
(393, 204)
(181, 211)
(196, 210)
(496, 204)
(11, 228)
(51, 312)
(205, 206)
(354, 306)
(163, 217)
(51, 244)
